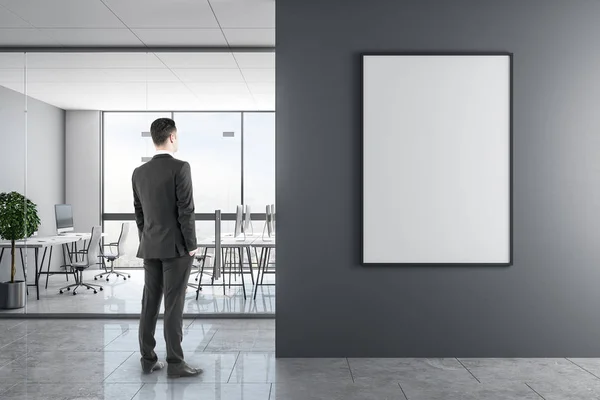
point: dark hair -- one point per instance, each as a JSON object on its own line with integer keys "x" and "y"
{"x": 161, "y": 129}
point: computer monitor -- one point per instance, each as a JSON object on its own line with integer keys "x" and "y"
{"x": 248, "y": 220}
{"x": 64, "y": 218}
{"x": 268, "y": 222}
{"x": 238, "y": 221}
{"x": 272, "y": 219}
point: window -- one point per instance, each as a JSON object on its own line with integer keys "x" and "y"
{"x": 124, "y": 148}
{"x": 259, "y": 160}
{"x": 212, "y": 144}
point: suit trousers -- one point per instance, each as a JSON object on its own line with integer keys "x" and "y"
{"x": 168, "y": 277}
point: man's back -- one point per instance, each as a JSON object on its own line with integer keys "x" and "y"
{"x": 164, "y": 208}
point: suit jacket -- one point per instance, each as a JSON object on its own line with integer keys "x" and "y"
{"x": 164, "y": 208}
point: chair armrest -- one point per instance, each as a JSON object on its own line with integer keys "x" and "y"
{"x": 111, "y": 245}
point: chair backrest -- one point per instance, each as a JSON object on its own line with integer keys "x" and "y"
{"x": 123, "y": 238}
{"x": 93, "y": 248}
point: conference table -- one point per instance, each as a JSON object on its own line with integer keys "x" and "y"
{"x": 46, "y": 244}
{"x": 229, "y": 245}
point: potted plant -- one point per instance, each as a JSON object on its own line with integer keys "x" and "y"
{"x": 18, "y": 220}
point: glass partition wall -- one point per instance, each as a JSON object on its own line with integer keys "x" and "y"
{"x": 14, "y": 179}
{"x": 81, "y": 125}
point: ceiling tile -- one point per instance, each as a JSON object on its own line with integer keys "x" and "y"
{"x": 11, "y": 20}
{"x": 164, "y": 14}
{"x": 255, "y": 60}
{"x": 25, "y": 37}
{"x": 140, "y": 75}
{"x": 262, "y": 88}
{"x": 211, "y": 89}
{"x": 93, "y": 60}
{"x": 259, "y": 74}
{"x": 66, "y": 76}
{"x": 265, "y": 102}
{"x": 64, "y": 13}
{"x": 245, "y": 14}
{"x": 93, "y": 37}
{"x": 250, "y": 37}
{"x": 181, "y": 37}
{"x": 198, "y": 60}
{"x": 232, "y": 75}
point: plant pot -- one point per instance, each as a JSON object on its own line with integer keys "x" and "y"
{"x": 13, "y": 295}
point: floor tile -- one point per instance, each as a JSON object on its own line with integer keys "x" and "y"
{"x": 326, "y": 370}
{"x": 242, "y": 340}
{"x": 190, "y": 391}
{"x": 11, "y": 335}
{"x": 66, "y": 340}
{"x": 71, "y": 391}
{"x": 592, "y": 365}
{"x": 194, "y": 341}
{"x": 492, "y": 370}
{"x": 6, "y": 324}
{"x": 216, "y": 367}
{"x": 584, "y": 389}
{"x": 465, "y": 390}
{"x": 63, "y": 367}
{"x": 254, "y": 368}
{"x": 390, "y": 370}
{"x": 309, "y": 390}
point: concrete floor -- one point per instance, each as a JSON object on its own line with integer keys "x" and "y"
{"x": 94, "y": 359}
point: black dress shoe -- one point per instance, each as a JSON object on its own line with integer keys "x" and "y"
{"x": 182, "y": 370}
{"x": 149, "y": 367}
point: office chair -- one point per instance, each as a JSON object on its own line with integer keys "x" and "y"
{"x": 115, "y": 251}
{"x": 90, "y": 256}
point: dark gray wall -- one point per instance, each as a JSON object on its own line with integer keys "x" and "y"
{"x": 547, "y": 303}
{"x": 45, "y": 152}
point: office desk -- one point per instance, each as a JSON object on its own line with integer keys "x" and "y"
{"x": 228, "y": 246}
{"x": 41, "y": 243}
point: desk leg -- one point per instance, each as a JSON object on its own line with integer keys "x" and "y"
{"x": 24, "y": 269}
{"x": 241, "y": 254}
{"x": 65, "y": 261}
{"x": 260, "y": 263}
{"x": 249, "y": 254}
{"x": 36, "y": 252}
{"x": 49, "y": 263}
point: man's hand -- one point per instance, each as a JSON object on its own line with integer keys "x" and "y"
{"x": 193, "y": 253}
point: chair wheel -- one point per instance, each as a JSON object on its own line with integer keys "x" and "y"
{"x": 74, "y": 293}
{"x": 101, "y": 289}
{"x": 107, "y": 280}
{"x": 129, "y": 276}
{"x": 60, "y": 291}
{"x": 124, "y": 278}
{"x": 96, "y": 278}
{"x": 87, "y": 288}
{"x": 68, "y": 289}
{"x": 95, "y": 292}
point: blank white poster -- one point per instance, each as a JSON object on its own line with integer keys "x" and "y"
{"x": 436, "y": 159}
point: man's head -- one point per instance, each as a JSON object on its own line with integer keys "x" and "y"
{"x": 164, "y": 134}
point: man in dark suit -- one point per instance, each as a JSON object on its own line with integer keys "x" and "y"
{"x": 164, "y": 213}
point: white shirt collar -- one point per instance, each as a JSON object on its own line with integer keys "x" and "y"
{"x": 164, "y": 152}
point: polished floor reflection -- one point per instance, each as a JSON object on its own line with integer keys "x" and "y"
{"x": 124, "y": 297}
{"x": 93, "y": 359}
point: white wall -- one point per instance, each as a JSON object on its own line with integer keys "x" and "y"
{"x": 83, "y": 175}
{"x": 45, "y": 152}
